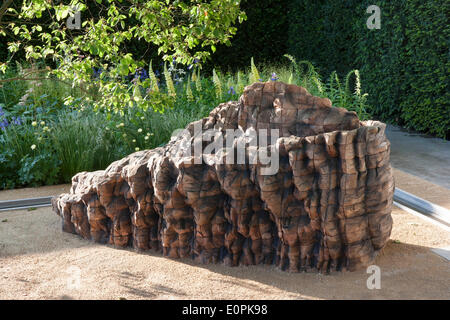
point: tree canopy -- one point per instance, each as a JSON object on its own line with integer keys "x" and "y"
{"x": 184, "y": 32}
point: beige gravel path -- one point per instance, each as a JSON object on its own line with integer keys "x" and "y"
{"x": 39, "y": 261}
{"x": 36, "y": 259}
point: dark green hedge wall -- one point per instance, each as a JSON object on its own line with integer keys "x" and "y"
{"x": 404, "y": 65}
{"x": 322, "y": 31}
{"x": 263, "y": 35}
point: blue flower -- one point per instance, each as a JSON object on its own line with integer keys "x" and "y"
{"x": 97, "y": 72}
{"x": 4, "y": 124}
{"x": 274, "y": 77}
{"x": 17, "y": 121}
{"x": 196, "y": 61}
{"x": 2, "y": 113}
{"x": 260, "y": 80}
{"x": 231, "y": 91}
{"x": 142, "y": 74}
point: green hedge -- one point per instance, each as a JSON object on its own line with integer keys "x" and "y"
{"x": 404, "y": 65}
{"x": 322, "y": 32}
{"x": 262, "y": 36}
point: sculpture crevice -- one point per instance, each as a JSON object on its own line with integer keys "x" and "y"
{"x": 327, "y": 207}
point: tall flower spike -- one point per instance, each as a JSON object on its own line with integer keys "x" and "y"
{"x": 189, "y": 94}
{"x": 169, "y": 83}
{"x": 254, "y": 74}
{"x": 198, "y": 81}
{"x": 291, "y": 78}
{"x": 153, "y": 78}
{"x": 240, "y": 83}
{"x": 217, "y": 84}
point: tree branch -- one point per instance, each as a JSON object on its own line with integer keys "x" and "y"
{"x": 4, "y": 7}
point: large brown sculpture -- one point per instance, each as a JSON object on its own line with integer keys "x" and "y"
{"x": 327, "y": 207}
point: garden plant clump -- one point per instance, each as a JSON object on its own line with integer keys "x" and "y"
{"x": 46, "y": 140}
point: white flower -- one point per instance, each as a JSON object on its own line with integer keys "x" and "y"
{"x": 142, "y": 118}
{"x": 33, "y": 147}
{"x": 34, "y": 123}
{"x": 146, "y": 138}
{"x": 139, "y": 130}
{"x": 137, "y": 149}
{"x": 124, "y": 135}
{"x": 134, "y": 140}
{"x": 42, "y": 123}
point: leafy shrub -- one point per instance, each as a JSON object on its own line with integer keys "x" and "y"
{"x": 52, "y": 145}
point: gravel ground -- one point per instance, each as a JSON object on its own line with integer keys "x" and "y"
{"x": 39, "y": 261}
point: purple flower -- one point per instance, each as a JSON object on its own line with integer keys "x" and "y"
{"x": 4, "y": 124}
{"x": 274, "y": 77}
{"x": 17, "y": 121}
{"x": 196, "y": 61}
{"x": 231, "y": 91}
{"x": 140, "y": 73}
{"x": 260, "y": 80}
{"x": 97, "y": 72}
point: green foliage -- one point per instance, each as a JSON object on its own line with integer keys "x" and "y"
{"x": 22, "y": 162}
{"x": 322, "y": 32}
{"x": 404, "y": 65}
{"x": 52, "y": 145}
{"x": 263, "y": 36}
{"x": 182, "y": 31}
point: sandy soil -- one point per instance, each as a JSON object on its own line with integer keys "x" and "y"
{"x": 39, "y": 261}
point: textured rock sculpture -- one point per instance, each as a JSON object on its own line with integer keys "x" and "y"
{"x": 328, "y": 207}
